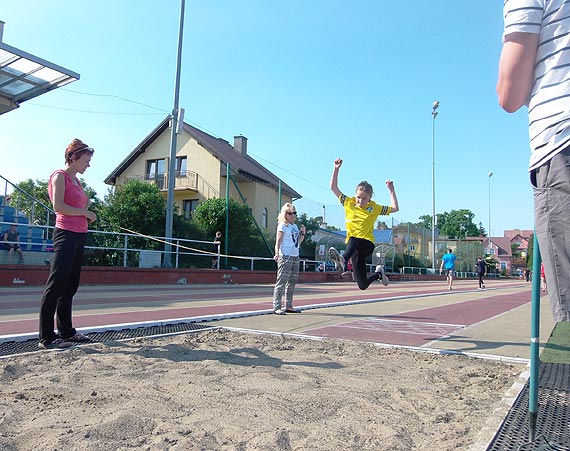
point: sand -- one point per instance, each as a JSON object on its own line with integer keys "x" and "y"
{"x": 227, "y": 390}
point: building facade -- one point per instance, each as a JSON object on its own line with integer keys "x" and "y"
{"x": 201, "y": 170}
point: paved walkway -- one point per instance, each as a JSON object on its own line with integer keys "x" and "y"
{"x": 494, "y": 321}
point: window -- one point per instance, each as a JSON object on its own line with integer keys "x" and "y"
{"x": 181, "y": 166}
{"x": 264, "y": 218}
{"x": 154, "y": 169}
{"x": 491, "y": 251}
{"x": 189, "y": 205}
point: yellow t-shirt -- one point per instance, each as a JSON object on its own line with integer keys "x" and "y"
{"x": 360, "y": 221}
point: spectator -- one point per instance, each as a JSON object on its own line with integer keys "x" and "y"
{"x": 71, "y": 206}
{"x": 534, "y": 71}
{"x": 217, "y": 244}
{"x": 11, "y": 236}
{"x": 287, "y": 241}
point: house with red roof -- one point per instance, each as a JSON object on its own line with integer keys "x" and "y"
{"x": 202, "y": 165}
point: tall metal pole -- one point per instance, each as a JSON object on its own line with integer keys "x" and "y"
{"x": 534, "y": 340}
{"x": 227, "y": 235}
{"x": 434, "y": 115}
{"x": 167, "y": 261}
{"x": 489, "y": 233}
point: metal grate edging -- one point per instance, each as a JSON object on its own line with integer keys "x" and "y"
{"x": 553, "y": 418}
{"x": 22, "y": 347}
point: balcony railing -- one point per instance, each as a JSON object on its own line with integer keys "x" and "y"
{"x": 184, "y": 180}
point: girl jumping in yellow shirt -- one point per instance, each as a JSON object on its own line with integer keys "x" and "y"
{"x": 360, "y": 216}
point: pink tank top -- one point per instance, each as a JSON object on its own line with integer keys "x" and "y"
{"x": 74, "y": 197}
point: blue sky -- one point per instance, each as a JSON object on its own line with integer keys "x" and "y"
{"x": 305, "y": 82}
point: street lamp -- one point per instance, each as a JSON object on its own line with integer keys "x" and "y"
{"x": 489, "y": 233}
{"x": 434, "y": 115}
{"x": 176, "y": 115}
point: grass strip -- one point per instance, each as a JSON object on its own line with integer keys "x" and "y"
{"x": 557, "y": 349}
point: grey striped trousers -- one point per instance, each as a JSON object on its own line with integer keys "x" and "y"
{"x": 287, "y": 275}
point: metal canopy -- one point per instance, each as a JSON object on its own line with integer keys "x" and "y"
{"x": 24, "y": 76}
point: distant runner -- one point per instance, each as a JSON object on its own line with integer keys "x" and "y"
{"x": 448, "y": 263}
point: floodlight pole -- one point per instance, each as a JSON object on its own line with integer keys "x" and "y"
{"x": 167, "y": 260}
{"x": 489, "y": 233}
{"x": 434, "y": 115}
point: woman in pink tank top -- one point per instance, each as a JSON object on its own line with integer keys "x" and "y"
{"x": 71, "y": 205}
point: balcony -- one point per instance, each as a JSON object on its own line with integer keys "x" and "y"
{"x": 184, "y": 180}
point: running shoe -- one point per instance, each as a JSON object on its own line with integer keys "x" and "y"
{"x": 381, "y": 275}
{"x": 78, "y": 338}
{"x": 58, "y": 343}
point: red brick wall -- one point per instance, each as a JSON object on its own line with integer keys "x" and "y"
{"x": 29, "y": 275}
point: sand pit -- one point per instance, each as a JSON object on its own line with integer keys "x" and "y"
{"x": 225, "y": 390}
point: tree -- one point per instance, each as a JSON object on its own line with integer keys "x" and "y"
{"x": 482, "y": 231}
{"x": 530, "y": 251}
{"x": 307, "y": 249}
{"x": 402, "y": 260}
{"x": 459, "y": 224}
{"x": 491, "y": 263}
{"x": 30, "y": 192}
{"x": 425, "y": 221}
{"x": 244, "y": 239}
{"x": 183, "y": 227}
{"x": 515, "y": 251}
{"x": 137, "y": 206}
{"x": 455, "y": 224}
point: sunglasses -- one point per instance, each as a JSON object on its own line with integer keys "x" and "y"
{"x": 88, "y": 150}
{"x": 292, "y": 213}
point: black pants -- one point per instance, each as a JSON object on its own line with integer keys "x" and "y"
{"x": 359, "y": 249}
{"x": 480, "y": 275}
{"x": 62, "y": 284}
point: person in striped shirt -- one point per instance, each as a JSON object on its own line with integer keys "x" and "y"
{"x": 361, "y": 213}
{"x": 534, "y": 70}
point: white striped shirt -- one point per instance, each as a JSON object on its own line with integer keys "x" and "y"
{"x": 549, "y": 107}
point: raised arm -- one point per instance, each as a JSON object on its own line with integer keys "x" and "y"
{"x": 334, "y": 178}
{"x": 393, "y": 198}
{"x": 516, "y": 70}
